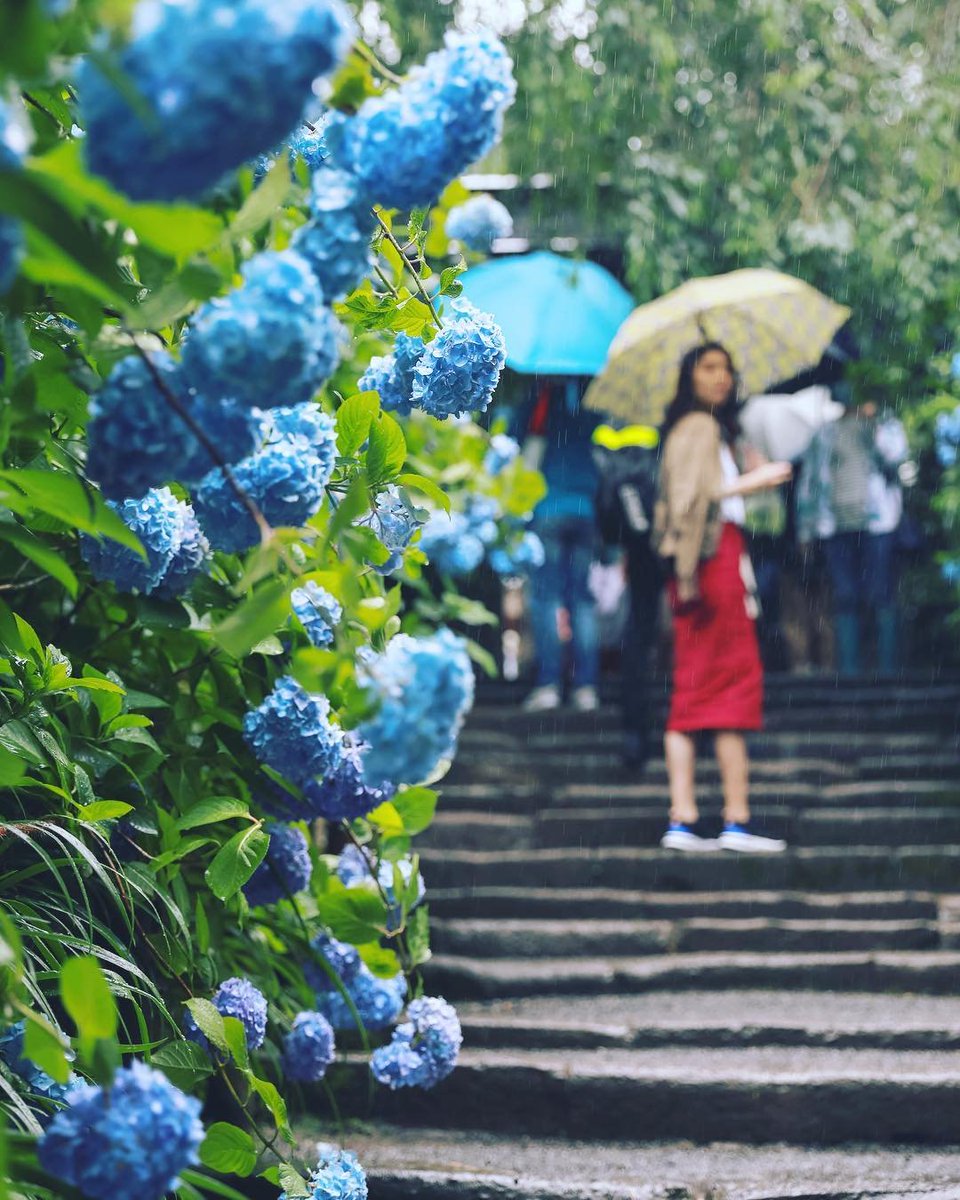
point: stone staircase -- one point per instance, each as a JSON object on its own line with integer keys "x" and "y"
{"x": 639, "y": 1023}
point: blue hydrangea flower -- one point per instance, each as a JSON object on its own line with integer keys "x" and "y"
{"x": 285, "y": 870}
{"x": 425, "y": 686}
{"x": 308, "y": 1049}
{"x": 221, "y": 83}
{"x": 340, "y": 956}
{"x": 478, "y": 222}
{"x": 308, "y": 141}
{"x": 521, "y": 558}
{"x": 459, "y": 370}
{"x": 950, "y": 570}
{"x": 238, "y": 998}
{"x": 424, "y": 1048}
{"x": 405, "y": 146}
{"x": 159, "y": 520}
{"x": 378, "y": 1001}
{"x": 269, "y": 342}
{"x": 946, "y": 435}
{"x": 13, "y": 147}
{"x": 37, "y": 1082}
{"x": 503, "y": 450}
{"x": 191, "y": 556}
{"x": 338, "y": 1176}
{"x": 482, "y": 513}
{"x": 317, "y": 611}
{"x": 451, "y": 544}
{"x": 391, "y": 376}
{"x": 345, "y": 793}
{"x": 355, "y": 869}
{"x": 136, "y": 441}
{"x": 394, "y": 521}
{"x": 336, "y": 242}
{"x": 285, "y": 481}
{"x": 131, "y": 1139}
{"x": 291, "y": 732}
{"x": 308, "y": 426}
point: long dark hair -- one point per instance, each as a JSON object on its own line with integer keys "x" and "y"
{"x": 685, "y": 401}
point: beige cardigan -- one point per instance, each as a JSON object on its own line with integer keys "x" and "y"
{"x": 687, "y": 524}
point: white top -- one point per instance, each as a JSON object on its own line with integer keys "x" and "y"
{"x": 732, "y": 508}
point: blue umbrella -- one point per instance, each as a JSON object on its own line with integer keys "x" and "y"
{"x": 558, "y": 315}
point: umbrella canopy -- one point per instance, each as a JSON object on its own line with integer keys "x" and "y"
{"x": 773, "y": 325}
{"x": 781, "y": 427}
{"x": 558, "y": 315}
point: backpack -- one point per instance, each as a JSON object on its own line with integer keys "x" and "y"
{"x": 628, "y": 465}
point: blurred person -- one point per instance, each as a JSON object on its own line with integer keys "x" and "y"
{"x": 849, "y": 497}
{"x": 717, "y": 674}
{"x": 558, "y": 437}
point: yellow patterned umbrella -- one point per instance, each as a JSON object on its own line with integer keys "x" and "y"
{"x": 774, "y": 326}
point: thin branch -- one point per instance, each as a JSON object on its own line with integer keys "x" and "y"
{"x": 366, "y": 53}
{"x": 266, "y": 532}
{"x": 428, "y": 300}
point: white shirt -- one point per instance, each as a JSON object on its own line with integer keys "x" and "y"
{"x": 732, "y": 508}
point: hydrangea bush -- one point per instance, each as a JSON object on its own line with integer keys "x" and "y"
{"x": 230, "y": 423}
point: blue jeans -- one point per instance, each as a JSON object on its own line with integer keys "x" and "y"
{"x": 562, "y": 581}
{"x": 862, "y": 570}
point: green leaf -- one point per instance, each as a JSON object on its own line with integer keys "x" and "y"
{"x": 420, "y": 483}
{"x": 416, "y": 807}
{"x": 292, "y": 1182}
{"x": 352, "y": 505}
{"x": 274, "y": 1102}
{"x": 262, "y": 614}
{"x": 269, "y": 195}
{"x": 236, "y": 1037}
{"x": 65, "y": 497}
{"x": 228, "y": 1150}
{"x": 104, "y": 810}
{"x": 40, "y": 553}
{"x": 12, "y": 768}
{"x": 209, "y": 1021}
{"x": 483, "y": 658}
{"x": 196, "y": 282}
{"x": 418, "y": 936}
{"x": 43, "y": 1045}
{"x": 354, "y": 417}
{"x": 203, "y": 927}
{"x": 184, "y": 1063}
{"x": 214, "y": 808}
{"x": 378, "y": 959}
{"x": 387, "y": 819}
{"x": 353, "y": 915}
{"x": 236, "y": 861}
{"x": 87, "y": 998}
{"x": 387, "y": 450}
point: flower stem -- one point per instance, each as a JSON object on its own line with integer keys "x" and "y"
{"x": 427, "y": 299}
{"x": 366, "y": 53}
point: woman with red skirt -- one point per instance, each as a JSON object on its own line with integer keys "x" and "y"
{"x": 717, "y": 675}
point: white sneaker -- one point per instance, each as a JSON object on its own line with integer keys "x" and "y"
{"x": 682, "y": 837}
{"x": 739, "y": 838}
{"x": 542, "y": 699}
{"x": 584, "y": 699}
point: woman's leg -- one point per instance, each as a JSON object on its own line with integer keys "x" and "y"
{"x": 734, "y": 763}
{"x": 680, "y": 751}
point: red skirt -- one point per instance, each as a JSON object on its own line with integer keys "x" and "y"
{"x": 717, "y": 674}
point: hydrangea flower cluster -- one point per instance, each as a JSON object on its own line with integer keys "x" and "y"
{"x": 425, "y": 686}
{"x": 284, "y": 871}
{"x": 378, "y": 1001}
{"x": 950, "y": 571}
{"x": 338, "y": 1176}
{"x": 13, "y": 147}
{"x": 308, "y": 1049}
{"x": 341, "y": 957}
{"x": 459, "y": 370}
{"x": 221, "y": 83}
{"x": 235, "y": 998}
{"x": 135, "y": 441}
{"x": 269, "y": 342}
{"x": 394, "y": 521}
{"x": 131, "y": 1139}
{"x": 405, "y": 146}
{"x": 521, "y": 558}
{"x": 305, "y": 424}
{"x": 345, "y": 793}
{"x": 336, "y": 242}
{"x": 391, "y": 375}
{"x": 482, "y": 513}
{"x": 176, "y": 549}
{"x": 317, "y": 611}
{"x": 502, "y": 452}
{"x": 355, "y": 869}
{"x": 946, "y": 435}
{"x": 478, "y": 222}
{"x": 451, "y": 544}
{"x": 308, "y": 141}
{"x": 37, "y": 1082}
{"x": 424, "y": 1048}
{"x": 291, "y": 732}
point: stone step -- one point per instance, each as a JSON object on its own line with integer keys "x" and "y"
{"x": 828, "y": 868}
{"x": 929, "y": 972}
{"x": 608, "y": 903}
{"x": 535, "y": 939}
{"x": 716, "y": 1019}
{"x": 802, "y": 1095}
{"x": 911, "y": 766}
{"x": 443, "y": 1164}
